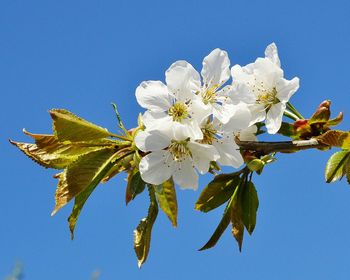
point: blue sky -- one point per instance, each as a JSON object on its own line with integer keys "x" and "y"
{"x": 83, "y": 55}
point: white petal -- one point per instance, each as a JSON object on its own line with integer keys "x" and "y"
{"x": 267, "y": 72}
{"x": 187, "y": 129}
{"x": 153, "y": 95}
{"x": 229, "y": 152}
{"x": 202, "y": 155}
{"x": 248, "y": 134}
{"x": 216, "y": 68}
{"x": 241, "y": 118}
{"x": 224, "y": 93}
{"x": 151, "y": 119}
{"x": 185, "y": 175}
{"x": 285, "y": 89}
{"x": 241, "y": 73}
{"x": 258, "y": 113}
{"x": 182, "y": 80}
{"x": 223, "y": 112}
{"x": 217, "y": 125}
{"x": 198, "y": 110}
{"x": 274, "y": 117}
{"x": 151, "y": 141}
{"x": 156, "y": 167}
{"x": 242, "y": 93}
{"x": 272, "y": 54}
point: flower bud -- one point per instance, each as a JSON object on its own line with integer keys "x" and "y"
{"x": 322, "y": 113}
{"x": 303, "y": 129}
{"x": 256, "y": 165}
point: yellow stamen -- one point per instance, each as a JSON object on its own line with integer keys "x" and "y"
{"x": 267, "y": 98}
{"x": 179, "y": 111}
{"x": 208, "y": 134}
{"x": 209, "y": 94}
{"x": 179, "y": 150}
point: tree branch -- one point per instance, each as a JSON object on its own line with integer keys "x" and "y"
{"x": 282, "y": 147}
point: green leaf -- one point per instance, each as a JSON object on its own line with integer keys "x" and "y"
{"x": 135, "y": 185}
{"x": 105, "y": 161}
{"x": 250, "y": 203}
{"x": 69, "y": 127}
{"x": 142, "y": 234}
{"x": 50, "y": 153}
{"x": 345, "y": 141}
{"x": 224, "y": 223}
{"x": 217, "y": 192}
{"x": 88, "y": 170}
{"x": 335, "y": 166}
{"x": 237, "y": 215}
{"x": 166, "y": 196}
{"x": 237, "y": 225}
{"x": 347, "y": 170}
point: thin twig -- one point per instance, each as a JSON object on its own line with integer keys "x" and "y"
{"x": 282, "y": 147}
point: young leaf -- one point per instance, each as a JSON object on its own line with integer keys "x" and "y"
{"x": 42, "y": 156}
{"x": 335, "y": 166}
{"x": 135, "y": 185}
{"x": 69, "y": 127}
{"x": 124, "y": 164}
{"x": 142, "y": 234}
{"x": 250, "y": 203}
{"x": 105, "y": 164}
{"x": 62, "y": 195}
{"x": 50, "y": 153}
{"x": 217, "y": 192}
{"x": 166, "y": 196}
{"x": 335, "y": 121}
{"x": 88, "y": 170}
{"x": 335, "y": 138}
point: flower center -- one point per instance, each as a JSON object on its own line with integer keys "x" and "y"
{"x": 179, "y": 150}
{"x": 208, "y": 134}
{"x": 266, "y": 97}
{"x": 209, "y": 95}
{"x": 179, "y": 111}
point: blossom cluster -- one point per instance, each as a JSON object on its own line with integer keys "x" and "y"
{"x": 193, "y": 119}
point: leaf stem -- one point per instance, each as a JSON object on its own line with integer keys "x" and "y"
{"x": 121, "y": 137}
{"x": 291, "y": 108}
{"x": 120, "y": 123}
{"x": 291, "y": 115}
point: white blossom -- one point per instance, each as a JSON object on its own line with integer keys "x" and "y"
{"x": 222, "y": 136}
{"x": 176, "y": 158}
{"x": 215, "y": 73}
{"x": 261, "y": 85}
{"x": 173, "y": 105}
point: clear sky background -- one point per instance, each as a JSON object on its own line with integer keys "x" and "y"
{"x": 83, "y": 55}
